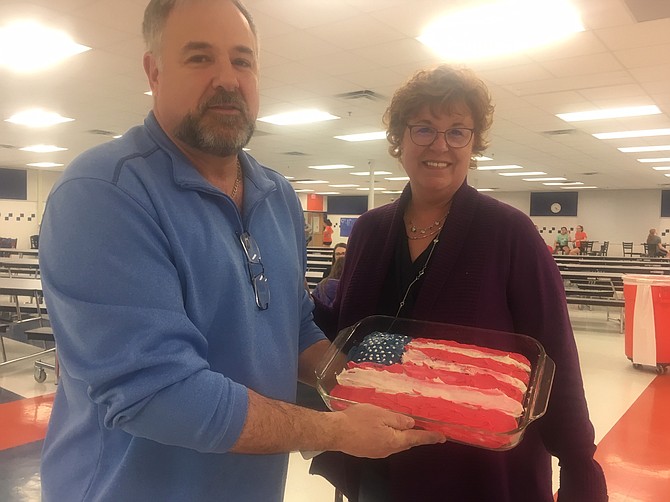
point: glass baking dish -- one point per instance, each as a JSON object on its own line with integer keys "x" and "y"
{"x": 534, "y": 400}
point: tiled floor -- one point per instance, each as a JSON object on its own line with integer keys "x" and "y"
{"x": 630, "y": 410}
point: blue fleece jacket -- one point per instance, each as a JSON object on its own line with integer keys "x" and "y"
{"x": 157, "y": 329}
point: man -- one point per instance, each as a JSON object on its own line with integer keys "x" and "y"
{"x": 177, "y": 303}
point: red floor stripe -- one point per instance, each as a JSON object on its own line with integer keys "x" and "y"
{"x": 635, "y": 454}
{"x": 24, "y": 421}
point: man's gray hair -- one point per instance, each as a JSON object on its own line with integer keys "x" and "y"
{"x": 157, "y": 12}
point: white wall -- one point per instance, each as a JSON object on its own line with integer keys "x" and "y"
{"x": 19, "y": 219}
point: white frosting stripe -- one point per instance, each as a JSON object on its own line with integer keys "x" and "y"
{"x": 396, "y": 383}
{"x": 420, "y": 359}
{"x": 470, "y": 351}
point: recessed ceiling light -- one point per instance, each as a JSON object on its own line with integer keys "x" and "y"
{"x": 665, "y": 159}
{"x": 367, "y": 173}
{"x": 26, "y": 46}
{"x": 636, "y": 149}
{"x": 298, "y": 117}
{"x": 502, "y": 27}
{"x": 42, "y": 148}
{"x": 331, "y": 166}
{"x": 44, "y": 164}
{"x": 398, "y": 178}
{"x": 289, "y": 177}
{"x": 495, "y": 168}
{"x": 366, "y": 136}
{"x": 485, "y": 189}
{"x": 482, "y": 158}
{"x": 544, "y": 179}
{"x": 633, "y": 134}
{"x": 302, "y": 190}
{"x": 344, "y": 186}
{"x": 37, "y": 118}
{"x": 149, "y": 93}
{"x": 578, "y": 188}
{"x": 117, "y": 136}
{"x": 567, "y": 183}
{"x": 661, "y": 168}
{"x": 611, "y": 113}
{"x": 310, "y": 182}
{"x": 532, "y": 173}
{"x": 392, "y": 191}
{"x": 367, "y": 189}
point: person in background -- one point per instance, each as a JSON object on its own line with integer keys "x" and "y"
{"x": 580, "y": 236}
{"x": 339, "y": 251}
{"x": 655, "y": 248}
{"x": 427, "y": 256}
{"x": 328, "y": 233}
{"x": 327, "y": 288}
{"x": 562, "y": 242}
{"x": 176, "y": 300}
{"x": 309, "y": 233}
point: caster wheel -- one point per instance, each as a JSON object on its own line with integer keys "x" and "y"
{"x": 661, "y": 369}
{"x": 637, "y": 366}
{"x": 40, "y": 375}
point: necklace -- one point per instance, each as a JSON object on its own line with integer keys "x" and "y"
{"x": 238, "y": 179}
{"x": 425, "y": 232}
{"x": 418, "y": 276}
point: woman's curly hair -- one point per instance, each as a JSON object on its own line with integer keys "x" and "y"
{"x": 441, "y": 88}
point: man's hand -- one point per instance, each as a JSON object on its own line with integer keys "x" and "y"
{"x": 365, "y": 430}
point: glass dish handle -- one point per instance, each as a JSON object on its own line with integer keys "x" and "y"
{"x": 544, "y": 382}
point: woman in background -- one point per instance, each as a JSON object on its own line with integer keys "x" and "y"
{"x": 428, "y": 256}
{"x": 327, "y": 288}
{"x": 580, "y": 236}
{"x": 328, "y": 233}
{"x": 655, "y": 247}
{"x": 562, "y": 243}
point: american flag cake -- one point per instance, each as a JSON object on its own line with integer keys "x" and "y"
{"x": 450, "y": 383}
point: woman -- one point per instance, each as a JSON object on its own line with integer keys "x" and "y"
{"x": 580, "y": 236}
{"x": 655, "y": 247}
{"x": 562, "y": 241}
{"x": 326, "y": 290}
{"x": 328, "y": 233}
{"x": 427, "y": 256}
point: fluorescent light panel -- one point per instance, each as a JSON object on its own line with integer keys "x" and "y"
{"x": 637, "y": 149}
{"x": 27, "y": 46}
{"x": 567, "y": 183}
{"x": 482, "y": 158}
{"x": 502, "y": 27}
{"x": 37, "y": 117}
{"x": 328, "y": 193}
{"x": 398, "y": 178}
{"x": 44, "y": 164}
{"x": 366, "y": 136}
{"x": 310, "y": 182}
{"x": 331, "y": 167}
{"x": 367, "y": 173}
{"x": 392, "y": 191}
{"x": 495, "y": 168}
{"x": 303, "y": 190}
{"x": 544, "y": 179}
{"x": 298, "y": 117}
{"x": 633, "y": 134}
{"x": 610, "y": 113}
{"x": 578, "y": 188}
{"x": 346, "y": 185}
{"x": 665, "y": 159}
{"x": 42, "y": 148}
{"x": 661, "y": 168}
{"x": 367, "y": 189}
{"x": 531, "y": 173}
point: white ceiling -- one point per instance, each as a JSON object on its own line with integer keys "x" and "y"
{"x": 314, "y": 50}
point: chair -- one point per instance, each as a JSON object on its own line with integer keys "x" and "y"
{"x": 647, "y": 251}
{"x": 602, "y": 251}
{"x": 627, "y": 249}
{"x": 34, "y": 241}
{"x": 585, "y": 247}
{"x": 7, "y": 243}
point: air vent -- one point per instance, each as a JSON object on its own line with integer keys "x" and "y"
{"x": 295, "y": 154}
{"x": 589, "y": 174}
{"x": 7, "y": 147}
{"x": 559, "y": 132}
{"x": 364, "y": 94}
{"x": 101, "y": 132}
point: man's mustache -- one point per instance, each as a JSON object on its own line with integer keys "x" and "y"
{"x": 226, "y": 98}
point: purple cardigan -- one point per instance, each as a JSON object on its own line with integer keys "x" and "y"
{"x": 491, "y": 269}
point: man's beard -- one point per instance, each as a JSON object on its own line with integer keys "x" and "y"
{"x": 220, "y": 135}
